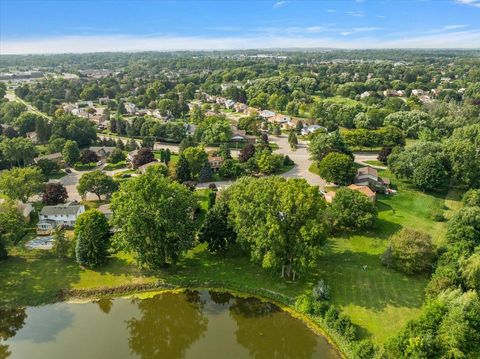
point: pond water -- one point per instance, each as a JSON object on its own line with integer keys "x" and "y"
{"x": 190, "y": 324}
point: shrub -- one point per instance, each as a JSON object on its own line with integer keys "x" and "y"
{"x": 304, "y": 304}
{"x": 364, "y": 349}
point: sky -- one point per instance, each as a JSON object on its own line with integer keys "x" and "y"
{"x": 77, "y": 26}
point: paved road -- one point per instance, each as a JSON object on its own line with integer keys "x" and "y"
{"x": 361, "y": 157}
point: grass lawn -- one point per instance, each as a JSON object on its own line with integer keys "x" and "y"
{"x": 380, "y": 301}
{"x": 56, "y": 175}
{"x": 115, "y": 166}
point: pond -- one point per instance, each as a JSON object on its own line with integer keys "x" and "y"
{"x": 190, "y": 324}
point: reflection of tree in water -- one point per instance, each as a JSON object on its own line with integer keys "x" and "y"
{"x": 11, "y": 321}
{"x": 220, "y": 297}
{"x": 267, "y": 332}
{"x": 169, "y": 325}
{"x": 105, "y": 305}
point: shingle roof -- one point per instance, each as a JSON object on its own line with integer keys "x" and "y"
{"x": 367, "y": 171}
{"x": 363, "y": 189}
{"x": 69, "y": 208}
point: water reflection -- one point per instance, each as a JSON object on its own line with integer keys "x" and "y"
{"x": 105, "y": 305}
{"x": 169, "y": 325}
{"x": 11, "y": 320}
{"x": 267, "y": 332}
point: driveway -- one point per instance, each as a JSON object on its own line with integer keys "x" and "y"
{"x": 362, "y": 157}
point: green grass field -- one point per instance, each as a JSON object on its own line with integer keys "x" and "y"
{"x": 380, "y": 301}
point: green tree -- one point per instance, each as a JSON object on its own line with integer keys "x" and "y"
{"x": 196, "y": 157}
{"x": 322, "y": 143}
{"x": 21, "y": 183}
{"x": 18, "y": 151}
{"x": 471, "y": 198}
{"x": 98, "y": 183}
{"x": 56, "y": 145}
{"x": 11, "y": 225}
{"x": 352, "y": 209}
{"x": 154, "y": 216}
{"x": 93, "y": 238}
{"x": 269, "y": 163}
{"x": 410, "y": 251}
{"x": 71, "y": 152}
{"x": 216, "y": 231}
{"x": 47, "y": 166}
{"x": 280, "y": 223}
{"x": 430, "y": 173}
{"x": 61, "y": 245}
{"x": 292, "y": 139}
{"x": 337, "y": 168}
{"x": 182, "y": 170}
{"x": 471, "y": 270}
{"x": 206, "y": 173}
{"x": 214, "y": 130}
{"x": 116, "y": 156}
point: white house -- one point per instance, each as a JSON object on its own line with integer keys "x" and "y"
{"x": 311, "y": 129}
{"x": 59, "y": 215}
{"x": 131, "y": 108}
{"x": 266, "y": 114}
{"x": 229, "y": 104}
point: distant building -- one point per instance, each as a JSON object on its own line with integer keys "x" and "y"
{"x": 102, "y": 151}
{"x": 368, "y": 176}
{"x": 215, "y": 162}
{"x": 311, "y": 129}
{"x": 131, "y": 108}
{"x": 57, "y": 157}
{"x": 266, "y": 114}
{"x": 329, "y": 196}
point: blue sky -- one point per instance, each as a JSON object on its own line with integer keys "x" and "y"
{"x": 54, "y": 26}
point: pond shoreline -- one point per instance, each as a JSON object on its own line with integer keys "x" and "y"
{"x": 284, "y": 302}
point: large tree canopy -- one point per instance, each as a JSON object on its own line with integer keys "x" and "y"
{"x": 281, "y": 223}
{"x": 155, "y": 218}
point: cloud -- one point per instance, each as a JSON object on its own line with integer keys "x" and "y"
{"x": 315, "y": 29}
{"x": 279, "y": 4}
{"x": 360, "y": 29}
{"x": 454, "y": 27}
{"x": 129, "y": 43}
{"x": 355, "y": 13}
{"x": 331, "y": 10}
{"x": 475, "y": 3}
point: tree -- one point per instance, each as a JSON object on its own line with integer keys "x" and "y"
{"x": 246, "y": 153}
{"x": 154, "y": 216}
{"x": 471, "y": 270}
{"x": 71, "y": 152}
{"x": 352, "y": 209}
{"x": 471, "y": 198}
{"x": 54, "y": 193}
{"x": 47, "y": 166}
{"x": 292, "y": 139}
{"x": 213, "y": 130}
{"x": 410, "y": 251}
{"x": 11, "y": 225}
{"x": 93, "y": 238}
{"x": 224, "y": 151}
{"x": 21, "y": 183}
{"x": 186, "y": 143}
{"x": 280, "y": 223}
{"x": 18, "y": 151}
{"x": 322, "y": 143}
{"x": 98, "y": 183}
{"x": 464, "y": 227}
{"x": 337, "y": 168}
{"x": 42, "y": 128}
{"x": 143, "y": 156}
{"x": 383, "y": 154}
{"x": 88, "y": 156}
{"x": 61, "y": 245}
{"x": 116, "y": 156}
{"x": 182, "y": 170}
{"x": 56, "y": 145}
{"x": 196, "y": 157}
{"x": 216, "y": 231}
{"x": 231, "y": 169}
{"x": 269, "y": 163}
{"x": 430, "y": 173}
{"x": 412, "y": 122}
{"x": 206, "y": 173}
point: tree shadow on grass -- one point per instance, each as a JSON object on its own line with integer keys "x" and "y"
{"x": 35, "y": 281}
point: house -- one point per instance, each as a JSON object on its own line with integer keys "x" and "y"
{"x": 282, "y": 120}
{"x": 418, "y": 92}
{"x": 393, "y": 93}
{"x": 103, "y": 100}
{"x": 329, "y": 196}
{"x": 131, "y": 155}
{"x": 365, "y": 94}
{"x": 102, "y": 151}
{"x": 25, "y": 209}
{"x": 365, "y": 190}
{"x": 368, "y": 176}
{"x": 56, "y": 157}
{"x": 131, "y": 108}
{"x": 240, "y": 107}
{"x": 143, "y": 168}
{"x": 190, "y": 129}
{"x": 229, "y": 104}
{"x": 59, "y": 215}
{"x": 311, "y": 129}
{"x": 32, "y": 136}
{"x": 266, "y": 114}
{"x": 215, "y": 162}
{"x": 238, "y": 135}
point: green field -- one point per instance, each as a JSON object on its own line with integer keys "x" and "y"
{"x": 380, "y": 301}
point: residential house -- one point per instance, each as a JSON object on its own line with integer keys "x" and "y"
{"x": 56, "y": 157}
{"x": 25, "y": 209}
{"x": 282, "y": 120}
{"x": 311, "y": 129}
{"x": 102, "y": 151}
{"x": 240, "y": 107}
{"x": 215, "y": 162}
{"x": 32, "y": 136}
{"x": 131, "y": 108}
{"x": 143, "y": 168}
{"x": 59, "y": 215}
{"x": 365, "y": 94}
{"x": 238, "y": 135}
{"x": 368, "y": 176}
{"x": 103, "y": 100}
{"x": 229, "y": 104}
{"x": 266, "y": 114}
{"x": 329, "y": 196}
{"x": 131, "y": 156}
{"x": 419, "y": 92}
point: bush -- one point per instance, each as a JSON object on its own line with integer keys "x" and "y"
{"x": 84, "y": 167}
{"x": 352, "y": 209}
{"x": 304, "y": 304}
{"x": 321, "y": 291}
{"x": 364, "y": 349}
{"x": 410, "y": 251}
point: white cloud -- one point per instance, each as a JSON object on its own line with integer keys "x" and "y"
{"x": 331, "y": 10}
{"x": 475, "y": 3}
{"x": 279, "y": 4}
{"x": 315, "y": 29}
{"x": 99, "y": 43}
{"x": 355, "y": 13}
{"x": 454, "y": 27}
